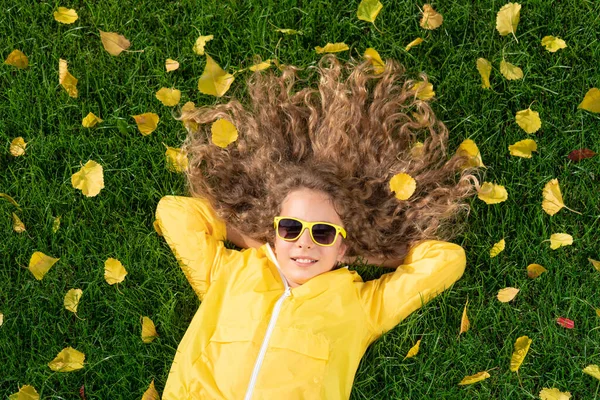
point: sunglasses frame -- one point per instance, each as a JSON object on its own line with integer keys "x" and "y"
{"x": 309, "y": 226}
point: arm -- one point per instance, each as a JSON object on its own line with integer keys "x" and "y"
{"x": 240, "y": 240}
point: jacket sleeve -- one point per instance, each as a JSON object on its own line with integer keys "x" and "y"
{"x": 429, "y": 268}
{"x": 195, "y": 234}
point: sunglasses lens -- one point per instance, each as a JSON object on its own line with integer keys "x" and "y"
{"x": 324, "y": 234}
{"x": 289, "y": 229}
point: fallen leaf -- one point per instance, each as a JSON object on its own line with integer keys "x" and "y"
{"x": 403, "y": 185}
{"x": 214, "y": 80}
{"x": 523, "y": 148}
{"x": 200, "y": 43}
{"x": 507, "y": 19}
{"x": 507, "y": 294}
{"x": 565, "y": 322}
{"x": 40, "y": 264}
{"x": 595, "y": 263}
{"x": 151, "y": 393}
{"x": 491, "y": 193}
{"x": 485, "y": 69}
{"x": 18, "y": 225}
{"x": 535, "y": 270}
{"x": 521, "y": 348}
{"x": 478, "y": 377}
{"x": 332, "y": 48}
{"x": 177, "y": 160}
{"x": 56, "y": 224}
{"x": 497, "y": 248}
{"x": 9, "y": 199}
{"x": 373, "y": 56}
{"x": 413, "y": 350}
{"x": 261, "y": 66}
{"x": 431, "y": 19}
{"x": 529, "y": 120}
{"x": 465, "y": 324}
{"x": 1, "y": 319}
{"x": 82, "y": 392}
{"x": 26, "y": 392}
{"x": 148, "y": 330}
{"x": 89, "y": 179}
{"x": 553, "y": 44}
{"x": 114, "y": 272}
{"x": 416, "y": 151}
{"x": 592, "y": 370}
{"x": 289, "y": 31}
{"x": 17, "y": 146}
{"x": 90, "y": 120}
{"x": 72, "y": 298}
{"x": 65, "y": 15}
{"x": 17, "y": 59}
{"x": 598, "y": 312}
{"x": 591, "y": 101}
{"x": 114, "y": 43}
{"x": 67, "y": 81}
{"x": 169, "y": 97}
{"x": 423, "y": 90}
{"x": 146, "y": 122}
{"x": 554, "y": 394}
{"x": 469, "y": 149}
{"x": 552, "y": 198}
{"x": 580, "y": 154}
{"x": 368, "y": 10}
{"x": 171, "y": 65}
{"x": 559, "y": 240}
{"x": 223, "y": 133}
{"x": 414, "y": 43}
{"x": 510, "y": 71}
{"x": 67, "y": 360}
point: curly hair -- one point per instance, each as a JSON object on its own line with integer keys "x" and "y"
{"x": 347, "y": 138}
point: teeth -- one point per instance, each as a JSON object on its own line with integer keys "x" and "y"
{"x": 304, "y": 260}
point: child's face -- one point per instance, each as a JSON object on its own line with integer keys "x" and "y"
{"x": 308, "y": 205}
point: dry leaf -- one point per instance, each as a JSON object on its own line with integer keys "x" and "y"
{"x": 553, "y": 201}
{"x": 9, "y": 199}
{"x": 40, "y": 264}
{"x": 373, "y": 56}
{"x": 169, "y": 97}
{"x": 223, "y": 133}
{"x": 171, "y": 65}
{"x": 1, "y": 319}
{"x": 148, "y": 330}
{"x": 72, "y": 298}
{"x": 146, "y": 122}
{"x": 580, "y": 154}
{"x": 332, "y": 48}
{"x": 508, "y": 19}
{"x": 491, "y": 193}
{"x": 510, "y": 71}
{"x": 90, "y": 120}
{"x": 485, "y": 69}
{"x": 67, "y": 360}
{"x": 17, "y": 59}
{"x": 560, "y": 239}
{"x": 214, "y": 80}
{"x": 416, "y": 151}
{"x": 68, "y": 81}
{"x": 535, "y": 270}
{"x": 523, "y": 148}
{"x": 177, "y": 160}
{"x": 598, "y": 312}
{"x": 114, "y": 272}
{"x": 469, "y": 149}
{"x": 200, "y": 43}
{"x": 529, "y": 120}
{"x": 591, "y": 101}
{"x": 56, "y": 224}
{"x": 151, "y": 393}
{"x": 497, "y": 248}
{"x": 595, "y": 263}
{"x": 413, "y": 350}
{"x": 368, "y": 10}
{"x": 507, "y": 294}
{"x": 414, "y": 43}
{"x": 565, "y": 322}
{"x": 89, "y": 179}
{"x": 521, "y": 348}
{"x": 423, "y": 90}
{"x": 17, "y": 146}
{"x": 18, "y": 225}
{"x": 478, "y": 377}
{"x": 431, "y": 19}
{"x": 27, "y": 392}
{"x": 554, "y": 394}
{"x": 592, "y": 370}
{"x": 465, "y": 324}
{"x": 261, "y": 66}
{"x": 403, "y": 185}
{"x": 553, "y": 44}
{"x": 114, "y": 43}
{"x": 65, "y": 15}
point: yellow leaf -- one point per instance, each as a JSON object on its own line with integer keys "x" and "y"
{"x": 480, "y": 376}
{"x": 529, "y": 120}
{"x": 90, "y": 120}
{"x": 510, "y": 71}
{"x": 177, "y": 160}
{"x": 553, "y": 200}
{"x": 413, "y": 350}
{"x": 146, "y": 122}
{"x": 214, "y": 80}
{"x": 508, "y": 19}
{"x": 289, "y": 31}
{"x": 156, "y": 226}
{"x": 598, "y": 312}
{"x": 592, "y": 370}
{"x": 9, "y": 199}
{"x": 595, "y": 263}
{"x": 521, "y": 348}
{"x": 114, "y": 43}
{"x": 17, "y": 59}
{"x": 431, "y": 19}
{"x": 27, "y": 392}
{"x": 403, "y": 185}
{"x": 223, "y": 133}
{"x": 535, "y": 270}
{"x": 151, "y": 393}
{"x": 523, "y": 148}
{"x": 261, "y": 66}
{"x": 17, "y": 146}
{"x": 491, "y": 193}
{"x": 89, "y": 179}
{"x": 148, "y": 330}
{"x": 169, "y": 97}
{"x": 497, "y": 248}
{"x": 485, "y": 69}
{"x": 591, "y": 101}
{"x": 414, "y": 43}
{"x": 18, "y": 225}
{"x": 114, "y": 272}
{"x": 171, "y": 65}
{"x": 553, "y": 44}
{"x": 423, "y": 90}
{"x": 560, "y": 239}
{"x": 373, "y": 56}
{"x": 368, "y": 10}
{"x": 465, "y": 324}
{"x": 65, "y": 15}
{"x": 200, "y": 43}
{"x": 56, "y": 224}
{"x": 416, "y": 150}
{"x": 40, "y": 264}
{"x": 554, "y": 394}
{"x": 68, "y": 81}
{"x": 332, "y": 48}
{"x": 71, "y": 300}
{"x": 1, "y": 319}
{"x": 469, "y": 149}
{"x": 67, "y": 360}
{"x": 507, "y": 294}
{"x": 189, "y": 106}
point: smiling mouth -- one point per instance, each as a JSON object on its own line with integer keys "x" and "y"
{"x": 304, "y": 261}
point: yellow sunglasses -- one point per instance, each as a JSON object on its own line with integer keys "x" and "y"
{"x": 322, "y": 233}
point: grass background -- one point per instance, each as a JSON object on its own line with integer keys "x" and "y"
{"x": 118, "y": 222}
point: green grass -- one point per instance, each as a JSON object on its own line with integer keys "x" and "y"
{"x": 118, "y": 222}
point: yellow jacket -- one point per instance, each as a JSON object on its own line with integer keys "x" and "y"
{"x": 255, "y": 337}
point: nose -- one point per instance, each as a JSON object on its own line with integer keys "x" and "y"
{"x": 304, "y": 239}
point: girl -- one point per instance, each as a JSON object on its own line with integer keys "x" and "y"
{"x": 303, "y": 190}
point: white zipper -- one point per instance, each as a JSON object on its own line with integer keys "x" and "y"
{"x": 270, "y": 327}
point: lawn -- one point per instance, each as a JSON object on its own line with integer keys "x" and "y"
{"x": 118, "y": 222}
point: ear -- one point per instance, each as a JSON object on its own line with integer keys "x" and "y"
{"x": 342, "y": 252}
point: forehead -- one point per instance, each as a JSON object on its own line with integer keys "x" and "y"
{"x": 310, "y": 205}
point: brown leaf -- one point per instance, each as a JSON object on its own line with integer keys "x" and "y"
{"x": 580, "y": 154}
